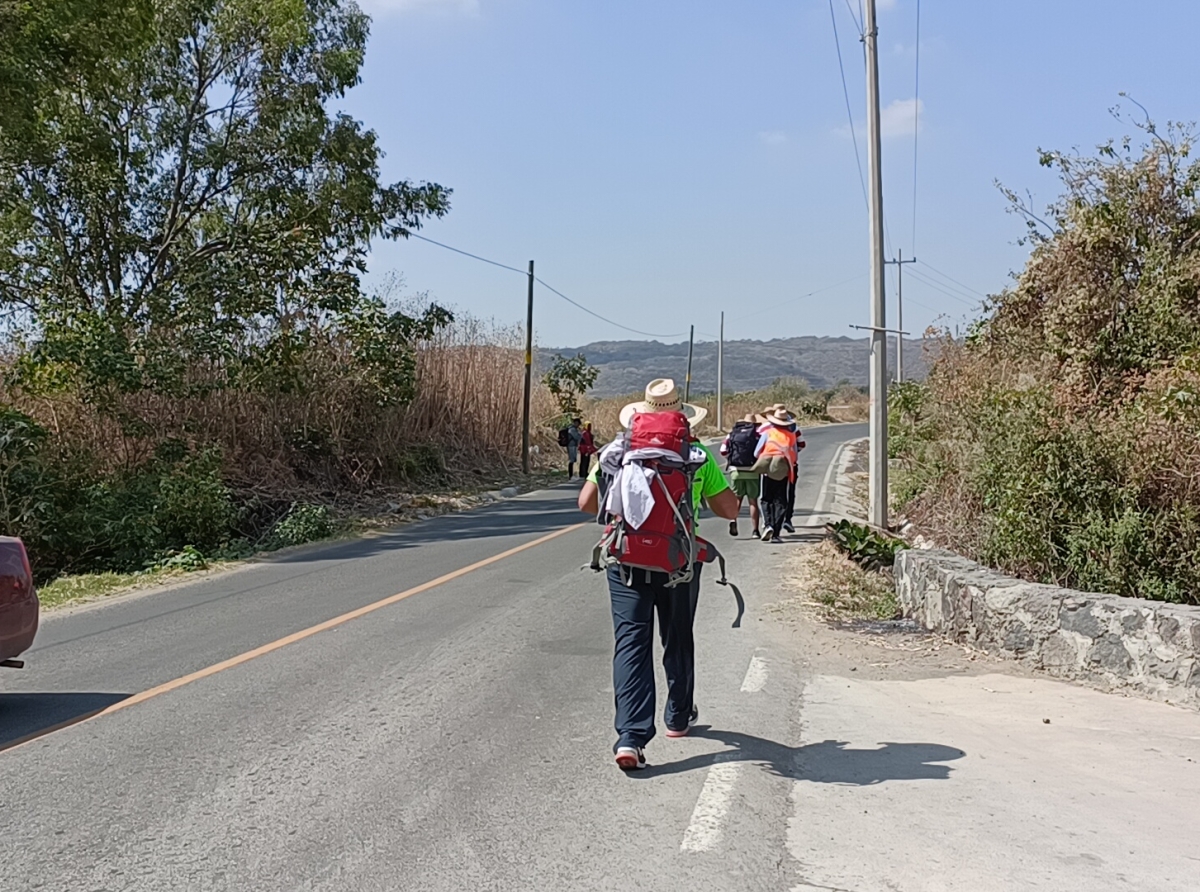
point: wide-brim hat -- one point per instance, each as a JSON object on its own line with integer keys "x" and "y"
{"x": 778, "y": 418}
{"x": 778, "y": 409}
{"x": 663, "y": 396}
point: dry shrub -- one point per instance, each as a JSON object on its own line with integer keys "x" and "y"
{"x": 1061, "y": 441}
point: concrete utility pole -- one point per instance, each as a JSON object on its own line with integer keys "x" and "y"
{"x": 879, "y": 382}
{"x": 687, "y": 382}
{"x": 900, "y": 261}
{"x": 721, "y": 375}
{"x": 528, "y": 377}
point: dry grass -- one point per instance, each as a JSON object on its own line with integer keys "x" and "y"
{"x": 828, "y": 582}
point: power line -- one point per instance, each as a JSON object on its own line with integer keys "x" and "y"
{"x": 800, "y": 297}
{"x": 856, "y": 19}
{"x": 951, "y": 278}
{"x": 469, "y": 254}
{"x": 916, "y": 126}
{"x": 846, "y": 93}
{"x": 938, "y": 287}
{"x": 573, "y": 303}
{"x": 544, "y": 285}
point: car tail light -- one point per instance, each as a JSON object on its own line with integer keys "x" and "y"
{"x": 16, "y": 577}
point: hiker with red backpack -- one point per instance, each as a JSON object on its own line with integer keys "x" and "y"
{"x": 739, "y": 451}
{"x": 646, "y": 486}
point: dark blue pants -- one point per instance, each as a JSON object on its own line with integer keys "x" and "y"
{"x": 633, "y": 608}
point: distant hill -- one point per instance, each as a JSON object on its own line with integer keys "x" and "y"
{"x": 626, "y": 366}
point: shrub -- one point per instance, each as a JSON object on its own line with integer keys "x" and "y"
{"x": 1061, "y": 439}
{"x": 303, "y": 523}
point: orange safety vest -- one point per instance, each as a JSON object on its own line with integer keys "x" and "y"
{"x": 782, "y": 443}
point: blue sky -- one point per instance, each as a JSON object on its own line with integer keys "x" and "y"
{"x": 663, "y": 160}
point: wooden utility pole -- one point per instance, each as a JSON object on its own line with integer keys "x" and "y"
{"x": 528, "y": 377}
{"x": 687, "y": 382}
{"x": 900, "y": 261}
{"x": 721, "y": 375}
{"x": 879, "y": 377}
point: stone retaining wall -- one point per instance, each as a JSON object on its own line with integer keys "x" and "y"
{"x": 1146, "y": 648}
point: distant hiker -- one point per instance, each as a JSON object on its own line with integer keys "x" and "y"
{"x": 661, "y": 436}
{"x": 776, "y": 455}
{"x": 781, "y": 409}
{"x": 570, "y": 437}
{"x": 587, "y": 448}
{"x": 738, "y": 450}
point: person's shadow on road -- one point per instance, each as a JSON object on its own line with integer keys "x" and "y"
{"x": 827, "y": 762}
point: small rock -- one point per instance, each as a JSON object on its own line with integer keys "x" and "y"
{"x": 1045, "y": 721}
{"x": 509, "y": 491}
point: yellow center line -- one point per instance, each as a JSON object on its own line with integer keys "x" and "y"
{"x": 176, "y": 683}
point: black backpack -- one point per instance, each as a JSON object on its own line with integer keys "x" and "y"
{"x": 564, "y": 437}
{"x": 742, "y": 441}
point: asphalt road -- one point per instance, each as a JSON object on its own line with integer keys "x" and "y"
{"x": 459, "y": 738}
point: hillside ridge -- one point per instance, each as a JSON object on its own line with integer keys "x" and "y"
{"x": 821, "y": 361}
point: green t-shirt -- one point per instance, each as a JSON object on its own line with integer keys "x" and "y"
{"x": 709, "y": 481}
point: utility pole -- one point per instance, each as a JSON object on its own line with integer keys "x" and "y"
{"x": 528, "y": 377}
{"x": 900, "y": 261}
{"x": 687, "y": 382}
{"x": 721, "y": 375}
{"x": 879, "y": 382}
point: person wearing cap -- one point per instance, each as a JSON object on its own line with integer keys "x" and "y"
{"x": 777, "y": 443}
{"x": 635, "y": 603}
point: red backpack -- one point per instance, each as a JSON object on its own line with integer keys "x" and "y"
{"x": 665, "y": 542}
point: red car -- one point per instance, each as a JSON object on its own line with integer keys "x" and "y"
{"x": 18, "y": 602}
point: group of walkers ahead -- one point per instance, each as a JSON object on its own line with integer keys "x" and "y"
{"x": 580, "y": 443}
{"x": 763, "y": 454}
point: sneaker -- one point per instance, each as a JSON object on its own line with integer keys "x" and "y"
{"x": 756, "y": 534}
{"x": 682, "y": 732}
{"x": 768, "y": 534}
{"x": 775, "y": 540}
{"x": 788, "y": 528}
{"x": 733, "y": 527}
{"x": 630, "y": 758}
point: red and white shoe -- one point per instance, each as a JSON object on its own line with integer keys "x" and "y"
{"x": 683, "y": 732}
{"x": 630, "y": 758}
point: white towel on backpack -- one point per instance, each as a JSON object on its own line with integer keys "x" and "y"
{"x": 637, "y": 499}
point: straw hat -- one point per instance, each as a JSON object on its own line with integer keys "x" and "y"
{"x": 778, "y": 409}
{"x": 779, "y": 418}
{"x": 663, "y": 396}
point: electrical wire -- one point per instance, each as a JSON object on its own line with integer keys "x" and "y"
{"x": 580, "y": 306}
{"x": 862, "y": 181}
{"x": 951, "y": 278}
{"x": 856, "y": 19}
{"x": 930, "y": 283}
{"x": 916, "y": 125}
{"x": 799, "y": 297}
{"x": 544, "y": 285}
{"x": 469, "y": 254}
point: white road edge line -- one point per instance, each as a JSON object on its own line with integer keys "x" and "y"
{"x": 823, "y": 494}
{"x": 756, "y": 675}
{"x": 704, "y": 831}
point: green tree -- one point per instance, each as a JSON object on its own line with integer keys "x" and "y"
{"x": 569, "y": 379}
{"x": 177, "y": 193}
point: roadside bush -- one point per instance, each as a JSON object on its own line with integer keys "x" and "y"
{"x": 303, "y": 523}
{"x": 1061, "y": 439}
